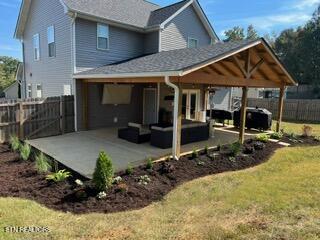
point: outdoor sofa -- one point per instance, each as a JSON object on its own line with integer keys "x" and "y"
{"x": 135, "y": 133}
{"x": 191, "y": 131}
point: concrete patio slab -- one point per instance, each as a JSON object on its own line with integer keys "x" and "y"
{"x": 80, "y": 150}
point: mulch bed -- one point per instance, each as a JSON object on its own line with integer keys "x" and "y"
{"x": 20, "y": 179}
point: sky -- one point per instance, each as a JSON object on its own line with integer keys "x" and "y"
{"x": 267, "y": 16}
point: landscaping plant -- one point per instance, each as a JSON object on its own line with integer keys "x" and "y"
{"x": 276, "y": 135}
{"x": 42, "y": 163}
{"x": 144, "y": 180}
{"x": 149, "y": 164}
{"x": 58, "y": 176}
{"x": 206, "y": 150}
{"x": 103, "y": 173}
{"x": 307, "y": 131}
{"x": 195, "y": 154}
{"x": 14, "y": 143}
{"x": 25, "y": 151}
{"x": 262, "y": 137}
{"x": 129, "y": 170}
{"x": 235, "y": 149}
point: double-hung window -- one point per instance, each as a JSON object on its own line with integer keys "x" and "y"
{"x": 102, "y": 36}
{"x": 51, "y": 41}
{"x": 192, "y": 43}
{"x": 36, "y": 47}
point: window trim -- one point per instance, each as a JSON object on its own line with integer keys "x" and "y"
{"x": 39, "y": 90}
{"x": 54, "y": 41}
{"x": 29, "y": 91}
{"x": 64, "y": 88}
{"x": 34, "y": 47}
{"x": 108, "y": 37}
{"x": 191, "y": 38}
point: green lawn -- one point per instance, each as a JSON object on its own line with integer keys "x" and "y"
{"x": 297, "y": 127}
{"x": 276, "y": 200}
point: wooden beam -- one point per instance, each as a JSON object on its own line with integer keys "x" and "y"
{"x": 215, "y": 69}
{"x": 243, "y": 114}
{"x": 280, "y": 108}
{"x": 228, "y": 69}
{"x": 225, "y": 81}
{"x": 238, "y": 63}
{"x": 85, "y": 111}
{"x": 256, "y": 67}
{"x": 248, "y": 63}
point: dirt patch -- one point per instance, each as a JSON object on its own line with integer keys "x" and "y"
{"x": 20, "y": 179}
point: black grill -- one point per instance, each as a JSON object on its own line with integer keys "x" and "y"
{"x": 257, "y": 118}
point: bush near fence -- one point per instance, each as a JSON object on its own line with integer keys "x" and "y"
{"x": 294, "y": 109}
{"x": 35, "y": 118}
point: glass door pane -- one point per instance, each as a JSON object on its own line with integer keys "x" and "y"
{"x": 193, "y": 105}
{"x": 184, "y": 106}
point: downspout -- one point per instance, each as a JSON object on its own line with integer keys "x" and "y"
{"x": 175, "y": 116}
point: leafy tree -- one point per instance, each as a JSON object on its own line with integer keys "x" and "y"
{"x": 234, "y": 34}
{"x": 8, "y": 67}
{"x": 252, "y": 34}
{"x": 238, "y": 34}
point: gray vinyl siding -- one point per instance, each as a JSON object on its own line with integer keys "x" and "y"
{"x": 152, "y": 42}
{"x": 186, "y": 25}
{"x": 123, "y": 44}
{"x": 102, "y": 115}
{"x": 51, "y": 73}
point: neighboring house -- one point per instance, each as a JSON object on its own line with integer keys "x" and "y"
{"x": 13, "y": 91}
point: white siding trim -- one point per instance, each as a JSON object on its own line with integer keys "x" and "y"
{"x": 160, "y": 45}
{"x": 176, "y": 14}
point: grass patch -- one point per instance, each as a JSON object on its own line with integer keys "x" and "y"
{"x": 276, "y": 200}
{"x": 296, "y": 128}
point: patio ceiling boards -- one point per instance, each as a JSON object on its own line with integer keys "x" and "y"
{"x": 233, "y": 64}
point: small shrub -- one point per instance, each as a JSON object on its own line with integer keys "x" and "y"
{"x": 262, "y": 137}
{"x": 219, "y": 147}
{"x": 117, "y": 180}
{"x": 103, "y": 173}
{"x": 206, "y": 150}
{"x": 235, "y": 149}
{"x": 78, "y": 182}
{"x": 101, "y": 195}
{"x": 149, "y": 164}
{"x": 25, "y": 151}
{"x": 259, "y": 146}
{"x": 167, "y": 167}
{"x": 81, "y": 194}
{"x": 59, "y": 176}
{"x": 200, "y": 163}
{"x": 122, "y": 187}
{"x": 42, "y": 163}
{"x": 144, "y": 180}
{"x": 276, "y": 135}
{"x": 195, "y": 154}
{"x": 14, "y": 143}
{"x": 129, "y": 170}
{"x": 307, "y": 131}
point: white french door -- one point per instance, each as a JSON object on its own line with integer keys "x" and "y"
{"x": 190, "y": 103}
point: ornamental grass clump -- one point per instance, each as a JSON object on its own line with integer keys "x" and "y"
{"x": 42, "y": 163}
{"x": 149, "y": 164}
{"x": 103, "y": 173}
{"x": 276, "y": 135}
{"x": 14, "y": 143}
{"x": 25, "y": 151}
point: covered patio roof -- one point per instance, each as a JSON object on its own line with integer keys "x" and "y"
{"x": 235, "y": 64}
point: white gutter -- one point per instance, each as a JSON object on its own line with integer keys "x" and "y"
{"x": 175, "y": 116}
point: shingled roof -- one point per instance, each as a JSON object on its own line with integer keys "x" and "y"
{"x": 169, "y": 61}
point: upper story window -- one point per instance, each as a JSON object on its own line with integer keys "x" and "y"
{"x": 36, "y": 47}
{"x": 192, "y": 43}
{"x": 102, "y": 36}
{"x": 51, "y": 42}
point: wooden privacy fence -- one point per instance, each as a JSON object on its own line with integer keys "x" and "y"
{"x": 294, "y": 109}
{"x": 35, "y": 118}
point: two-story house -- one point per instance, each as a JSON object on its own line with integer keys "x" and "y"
{"x": 134, "y": 61}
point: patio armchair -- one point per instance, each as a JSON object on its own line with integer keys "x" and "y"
{"x": 135, "y": 133}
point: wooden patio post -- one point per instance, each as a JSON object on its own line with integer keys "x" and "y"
{"x": 280, "y": 108}
{"x": 243, "y": 114}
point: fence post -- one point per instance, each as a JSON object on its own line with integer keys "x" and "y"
{"x": 62, "y": 115}
{"x": 21, "y": 121}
